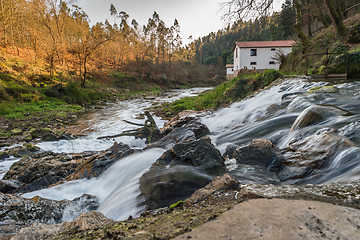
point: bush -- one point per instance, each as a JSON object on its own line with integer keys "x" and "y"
{"x": 270, "y": 75}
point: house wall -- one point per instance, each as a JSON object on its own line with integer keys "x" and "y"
{"x": 262, "y": 58}
{"x": 229, "y": 70}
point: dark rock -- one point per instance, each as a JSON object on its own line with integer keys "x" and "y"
{"x": 4, "y": 155}
{"x": 97, "y": 164}
{"x": 45, "y": 169}
{"x": 19, "y": 152}
{"x": 180, "y": 171}
{"x": 260, "y": 152}
{"x": 49, "y": 137}
{"x": 8, "y": 185}
{"x": 229, "y": 151}
{"x": 197, "y": 153}
{"x": 40, "y": 170}
{"x": 193, "y": 130}
{"x": 183, "y": 118}
{"x": 218, "y": 183}
{"x": 316, "y": 113}
{"x": 351, "y": 132}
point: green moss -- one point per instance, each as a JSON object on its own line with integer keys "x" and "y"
{"x": 323, "y": 89}
{"x": 175, "y": 205}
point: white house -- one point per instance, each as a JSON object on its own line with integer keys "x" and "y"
{"x": 259, "y": 54}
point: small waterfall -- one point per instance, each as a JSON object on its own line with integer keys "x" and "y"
{"x": 267, "y": 115}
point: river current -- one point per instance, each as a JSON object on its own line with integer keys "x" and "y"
{"x": 267, "y": 115}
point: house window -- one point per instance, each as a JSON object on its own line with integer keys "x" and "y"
{"x": 272, "y": 62}
{"x": 252, "y": 63}
{"x": 253, "y": 52}
{"x": 273, "y": 49}
{"x": 236, "y": 50}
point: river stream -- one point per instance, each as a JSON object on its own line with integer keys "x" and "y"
{"x": 267, "y": 115}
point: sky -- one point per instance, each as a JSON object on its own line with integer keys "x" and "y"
{"x": 196, "y": 17}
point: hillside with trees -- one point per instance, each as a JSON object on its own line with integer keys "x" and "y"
{"x": 49, "y": 41}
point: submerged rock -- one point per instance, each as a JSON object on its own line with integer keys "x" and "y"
{"x": 307, "y": 156}
{"x": 351, "y": 132}
{"x": 316, "y": 113}
{"x": 260, "y": 152}
{"x": 180, "y": 171}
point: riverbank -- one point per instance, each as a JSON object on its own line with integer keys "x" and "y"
{"x": 228, "y": 209}
{"x": 189, "y": 156}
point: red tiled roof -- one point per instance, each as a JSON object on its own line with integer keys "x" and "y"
{"x": 262, "y": 44}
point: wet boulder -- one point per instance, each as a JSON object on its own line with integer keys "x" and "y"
{"x": 40, "y": 170}
{"x": 317, "y": 113}
{"x": 229, "y": 151}
{"x": 8, "y": 185}
{"x": 197, "y": 153}
{"x": 4, "y": 155}
{"x": 192, "y": 130}
{"x": 351, "y": 132}
{"x": 260, "y": 152}
{"x": 308, "y": 156}
{"x": 45, "y": 169}
{"x": 182, "y": 119}
{"x": 96, "y": 164}
{"x": 19, "y": 152}
{"x": 180, "y": 171}
{"x": 49, "y": 137}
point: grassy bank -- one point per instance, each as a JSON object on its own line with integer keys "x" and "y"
{"x": 222, "y": 95}
{"x": 344, "y": 50}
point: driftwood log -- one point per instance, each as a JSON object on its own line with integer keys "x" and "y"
{"x": 148, "y": 131}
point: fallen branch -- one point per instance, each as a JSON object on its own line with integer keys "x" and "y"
{"x": 149, "y": 130}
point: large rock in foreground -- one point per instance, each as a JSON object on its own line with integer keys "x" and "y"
{"x": 181, "y": 171}
{"x": 281, "y": 219}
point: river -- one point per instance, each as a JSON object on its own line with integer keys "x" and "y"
{"x": 267, "y": 115}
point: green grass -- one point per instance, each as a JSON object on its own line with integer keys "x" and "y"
{"x": 21, "y": 110}
{"x": 223, "y": 94}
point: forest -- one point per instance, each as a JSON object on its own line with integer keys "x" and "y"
{"x": 54, "y": 40}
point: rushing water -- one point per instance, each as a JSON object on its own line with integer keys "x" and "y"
{"x": 267, "y": 115}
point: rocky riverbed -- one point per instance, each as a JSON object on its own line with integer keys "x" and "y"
{"x": 296, "y": 146}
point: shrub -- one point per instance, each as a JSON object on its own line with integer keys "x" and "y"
{"x": 270, "y": 75}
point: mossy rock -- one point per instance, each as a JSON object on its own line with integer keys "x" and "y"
{"x": 45, "y": 130}
{"x": 324, "y": 89}
{"x": 16, "y": 131}
{"x": 4, "y": 155}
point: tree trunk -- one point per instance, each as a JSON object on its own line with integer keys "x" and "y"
{"x": 321, "y": 15}
{"x": 298, "y": 26}
{"x": 336, "y": 18}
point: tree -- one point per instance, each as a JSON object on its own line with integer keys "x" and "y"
{"x": 336, "y": 17}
